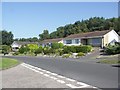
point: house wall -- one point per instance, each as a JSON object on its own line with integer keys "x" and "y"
{"x": 60, "y": 41}
{"x": 73, "y": 42}
{"x": 15, "y": 46}
{"x": 111, "y": 37}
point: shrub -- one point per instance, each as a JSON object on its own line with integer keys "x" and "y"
{"x": 32, "y": 47}
{"x": 61, "y": 45}
{"x": 56, "y": 45}
{"x": 24, "y": 49}
{"x": 16, "y": 53}
{"x": 5, "y": 49}
{"x": 112, "y": 49}
{"x": 68, "y": 49}
{"x": 84, "y": 48}
{"x": 66, "y": 55}
{"x": 80, "y": 54}
{"x": 38, "y": 51}
{"x": 46, "y": 50}
{"x": 77, "y": 49}
{"x": 60, "y": 51}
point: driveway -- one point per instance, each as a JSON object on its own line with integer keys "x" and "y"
{"x": 98, "y": 75}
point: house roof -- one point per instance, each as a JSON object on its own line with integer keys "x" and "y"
{"x": 88, "y": 34}
{"x": 24, "y": 43}
{"x": 51, "y": 40}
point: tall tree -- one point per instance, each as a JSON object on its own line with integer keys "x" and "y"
{"x": 7, "y": 37}
{"x": 44, "y": 35}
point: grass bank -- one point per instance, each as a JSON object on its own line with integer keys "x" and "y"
{"x": 6, "y": 63}
{"x": 109, "y": 61}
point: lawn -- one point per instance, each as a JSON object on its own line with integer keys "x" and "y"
{"x": 6, "y": 63}
{"x": 109, "y": 61}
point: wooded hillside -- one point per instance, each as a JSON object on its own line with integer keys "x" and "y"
{"x": 92, "y": 24}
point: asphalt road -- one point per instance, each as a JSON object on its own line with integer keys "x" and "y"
{"x": 99, "y": 75}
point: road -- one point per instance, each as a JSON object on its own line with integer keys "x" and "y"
{"x": 99, "y": 75}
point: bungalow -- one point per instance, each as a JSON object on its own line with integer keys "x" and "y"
{"x": 95, "y": 38}
{"x": 48, "y": 42}
{"x": 17, "y": 44}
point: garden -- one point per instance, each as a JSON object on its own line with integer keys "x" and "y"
{"x": 56, "y": 49}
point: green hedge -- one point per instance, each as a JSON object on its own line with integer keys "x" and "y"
{"x": 77, "y": 49}
{"x": 112, "y": 49}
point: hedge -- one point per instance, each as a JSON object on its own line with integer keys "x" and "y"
{"x": 112, "y": 49}
{"x": 77, "y": 49}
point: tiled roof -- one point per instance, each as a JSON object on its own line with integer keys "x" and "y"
{"x": 88, "y": 34}
{"x": 51, "y": 40}
{"x": 24, "y": 43}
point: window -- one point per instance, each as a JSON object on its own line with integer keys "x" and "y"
{"x": 96, "y": 40}
{"x": 76, "y": 41}
{"x": 68, "y": 41}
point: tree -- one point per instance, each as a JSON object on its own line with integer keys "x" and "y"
{"x": 7, "y": 37}
{"x": 89, "y": 25}
{"x": 44, "y": 35}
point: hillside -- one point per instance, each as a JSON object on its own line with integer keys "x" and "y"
{"x": 92, "y": 24}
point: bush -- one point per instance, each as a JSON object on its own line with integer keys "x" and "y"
{"x": 24, "y": 50}
{"x": 112, "y": 49}
{"x": 6, "y": 49}
{"x": 16, "y": 53}
{"x": 56, "y": 45}
{"x": 84, "y": 48}
{"x": 68, "y": 49}
{"x": 77, "y": 49}
{"x": 32, "y": 47}
{"x": 60, "y": 52}
{"x": 66, "y": 55}
{"x": 46, "y": 50}
{"x": 80, "y": 54}
{"x": 38, "y": 51}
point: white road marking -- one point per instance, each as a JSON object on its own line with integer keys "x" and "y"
{"x": 54, "y": 74}
{"x": 41, "y": 72}
{"x": 61, "y": 81}
{"x": 70, "y": 79}
{"x": 81, "y": 83}
{"x": 61, "y": 76}
{"x": 49, "y": 74}
{"x": 72, "y": 86}
{"x": 53, "y": 78}
{"x": 46, "y": 75}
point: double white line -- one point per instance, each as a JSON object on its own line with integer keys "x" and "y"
{"x": 57, "y": 77}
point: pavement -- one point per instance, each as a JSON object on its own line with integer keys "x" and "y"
{"x": 22, "y": 77}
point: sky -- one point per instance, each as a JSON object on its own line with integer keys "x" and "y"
{"x": 29, "y": 19}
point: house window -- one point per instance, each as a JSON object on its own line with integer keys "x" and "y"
{"x": 68, "y": 41}
{"x": 96, "y": 41}
{"x": 76, "y": 41}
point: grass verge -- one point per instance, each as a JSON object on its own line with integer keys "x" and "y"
{"x": 6, "y": 63}
{"x": 109, "y": 61}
